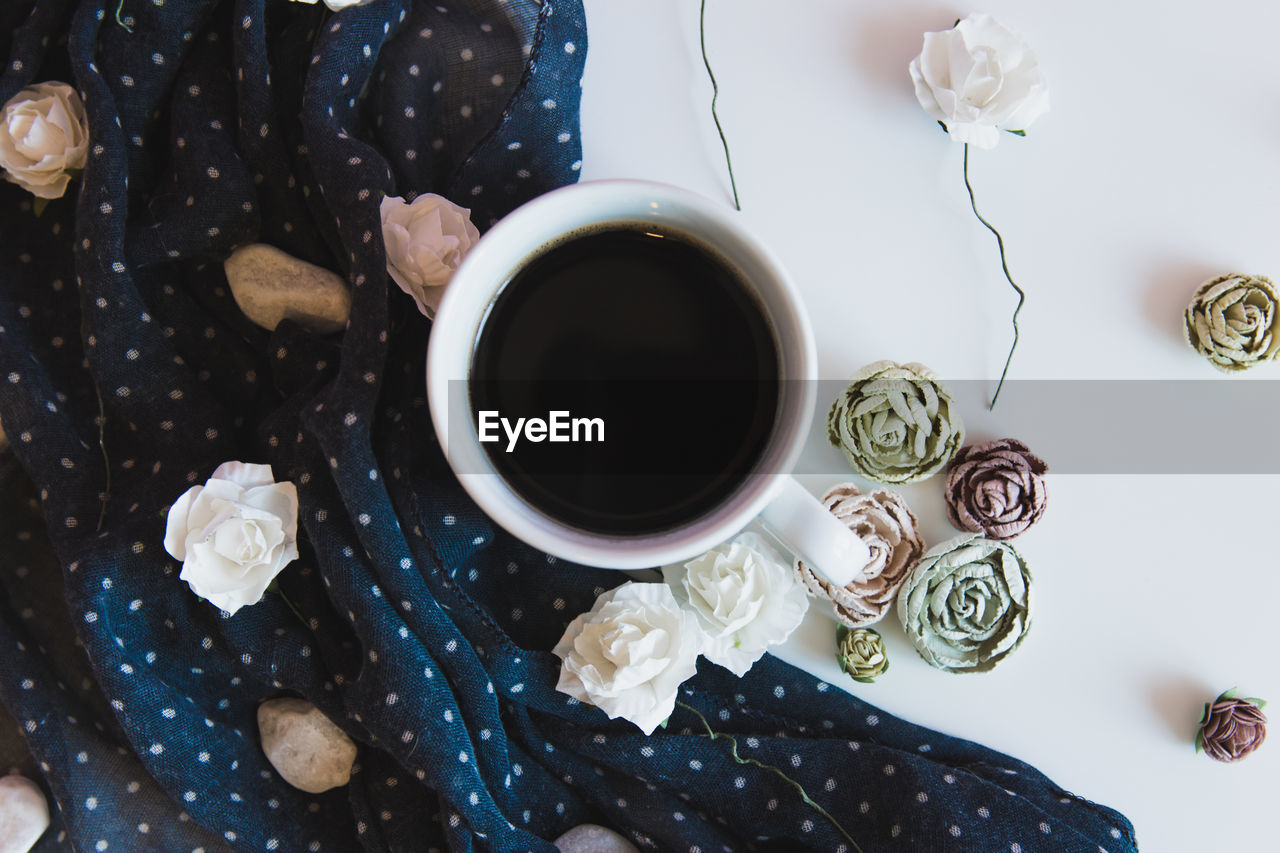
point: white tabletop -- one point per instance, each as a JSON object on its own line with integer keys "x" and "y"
{"x": 1157, "y": 167}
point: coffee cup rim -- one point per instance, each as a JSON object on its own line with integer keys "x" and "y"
{"x": 477, "y": 283}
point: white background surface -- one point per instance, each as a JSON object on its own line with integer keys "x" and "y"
{"x": 1157, "y": 167}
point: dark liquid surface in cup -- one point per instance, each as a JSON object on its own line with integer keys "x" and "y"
{"x": 660, "y": 340}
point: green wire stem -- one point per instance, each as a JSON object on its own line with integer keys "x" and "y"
{"x": 1004, "y": 264}
{"x": 733, "y": 750}
{"x": 715, "y": 95}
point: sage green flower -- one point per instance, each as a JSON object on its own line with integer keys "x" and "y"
{"x": 895, "y": 423}
{"x": 967, "y": 605}
{"x": 1231, "y": 322}
{"x": 861, "y": 654}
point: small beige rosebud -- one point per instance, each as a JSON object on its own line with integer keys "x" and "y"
{"x": 44, "y": 136}
{"x": 861, "y": 654}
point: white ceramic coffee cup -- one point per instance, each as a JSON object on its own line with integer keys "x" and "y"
{"x": 782, "y": 504}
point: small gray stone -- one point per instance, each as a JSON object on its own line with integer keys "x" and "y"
{"x": 270, "y": 285}
{"x": 589, "y": 838}
{"x": 304, "y": 746}
{"x": 24, "y": 814}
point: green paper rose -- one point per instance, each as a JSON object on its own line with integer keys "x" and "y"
{"x": 861, "y": 654}
{"x": 967, "y": 605}
{"x": 895, "y": 423}
{"x": 1231, "y": 322}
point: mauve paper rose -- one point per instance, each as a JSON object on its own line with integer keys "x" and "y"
{"x": 234, "y": 534}
{"x": 895, "y": 423}
{"x": 745, "y": 599}
{"x": 1231, "y": 728}
{"x": 1231, "y": 322}
{"x": 996, "y": 489}
{"x": 889, "y": 528}
{"x": 967, "y": 605}
{"x": 630, "y": 653}
{"x": 861, "y": 655}
{"x": 979, "y": 78}
{"x": 425, "y": 241}
{"x": 44, "y": 137}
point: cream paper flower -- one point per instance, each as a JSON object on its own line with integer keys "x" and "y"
{"x": 744, "y": 596}
{"x": 425, "y": 242}
{"x": 234, "y": 534}
{"x": 978, "y": 79}
{"x": 43, "y": 137}
{"x": 630, "y": 653}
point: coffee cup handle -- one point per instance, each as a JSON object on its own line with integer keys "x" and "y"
{"x": 816, "y": 536}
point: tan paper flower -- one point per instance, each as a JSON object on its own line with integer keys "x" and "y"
{"x": 44, "y": 137}
{"x": 889, "y": 528}
{"x": 1231, "y": 728}
{"x": 967, "y": 606}
{"x": 1231, "y": 321}
{"x": 895, "y": 423}
{"x": 996, "y": 489}
{"x": 861, "y": 654}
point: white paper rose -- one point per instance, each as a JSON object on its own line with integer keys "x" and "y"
{"x": 234, "y": 534}
{"x": 425, "y": 242}
{"x": 978, "y": 79}
{"x": 746, "y": 598}
{"x": 630, "y": 653}
{"x": 43, "y": 138}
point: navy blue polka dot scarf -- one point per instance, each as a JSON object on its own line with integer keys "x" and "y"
{"x": 129, "y": 375}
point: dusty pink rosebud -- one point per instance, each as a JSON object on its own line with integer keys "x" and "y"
{"x": 1231, "y": 728}
{"x": 996, "y": 489}
{"x": 889, "y": 528}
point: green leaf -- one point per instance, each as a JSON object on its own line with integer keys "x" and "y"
{"x": 663, "y": 724}
{"x": 1261, "y": 703}
{"x": 864, "y": 680}
{"x": 1199, "y": 742}
{"x": 842, "y": 631}
{"x": 1018, "y": 132}
{"x": 1228, "y": 694}
{"x": 38, "y": 205}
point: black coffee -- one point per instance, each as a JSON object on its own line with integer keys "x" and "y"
{"x": 645, "y": 371}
